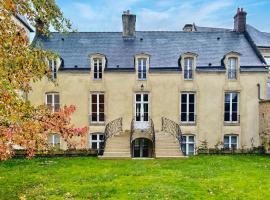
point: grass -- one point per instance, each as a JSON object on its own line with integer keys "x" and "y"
{"x": 199, "y": 177}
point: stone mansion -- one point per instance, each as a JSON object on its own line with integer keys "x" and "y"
{"x": 159, "y": 93}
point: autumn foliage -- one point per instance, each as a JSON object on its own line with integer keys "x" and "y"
{"x": 23, "y": 124}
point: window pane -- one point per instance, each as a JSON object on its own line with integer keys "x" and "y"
{"x": 94, "y": 145}
{"x": 191, "y": 107}
{"x": 138, "y": 97}
{"x": 191, "y": 138}
{"x": 49, "y": 99}
{"x": 94, "y": 117}
{"x": 184, "y": 149}
{"x": 183, "y": 107}
{"x": 94, "y": 98}
{"x": 227, "y": 97}
{"x": 56, "y": 98}
{"x": 234, "y": 97}
{"x": 56, "y": 139}
{"x": 94, "y": 108}
{"x": 184, "y": 139}
{"x": 101, "y": 137}
{"x": 226, "y": 139}
{"x": 227, "y": 116}
{"x": 233, "y": 139}
{"x": 184, "y": 98}
{"x": 234, "y": 107}
{"x": 183, "y": 117}
{"x": 145, "y": 97}
{"x": 234, "y": 116}
{"x": 191, "y": 98}
{"x": 191, "y": 117}
{"x": 227, "y": 107}
{"x": 191, "y": 149}
{"x": 101, "y": 117}
{"x": 94, "y": 137}
{"x": 101, "y": 98}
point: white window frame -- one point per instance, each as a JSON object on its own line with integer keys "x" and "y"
{"x": 188, "y": 142}
{"x": 53, "y": 100}
{"x": 142, "y": 102}
{"x": 230, "y": 111}
{"x": 53, "y": 139}
{"x": 140, "y": 64}
{"x": 230, "y": 141}
{"x": 98, "y": 103}
{"x": 98, "y": 140}
{"x": 53, "y": 67}
{"x": 231, "y": 70}
{"x": 187, "y": 107}
{"x": 97, "y": 63}
{"x": 190, "y": 66}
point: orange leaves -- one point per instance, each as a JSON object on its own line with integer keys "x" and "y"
{"x": 22, "y": 124}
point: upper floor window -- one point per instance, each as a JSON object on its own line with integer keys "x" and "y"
{"x": 230, "y": 141}
{"x": 188, "y": 68}
{"x": 142, "y": 68}
{"x": 53, "y": 101}
{"x": 231, "y": 107}
{"x": 97, "y": 107}
{"x": 53, "y": 67}
{"x": 188, "y": 107}
{"x": 97, "y": 68}
{"x": 232, "y": 66}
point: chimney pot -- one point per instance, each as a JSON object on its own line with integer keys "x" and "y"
{"x": 240, "y": 21}
{"x": 129, "y": 24}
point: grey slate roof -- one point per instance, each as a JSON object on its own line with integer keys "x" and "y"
{"x": 164, "y": 48}
{"x": 261, "y": 39}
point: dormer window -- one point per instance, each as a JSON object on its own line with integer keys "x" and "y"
{"x": 232, "y": 66}
{"x": 53, "y": 67}
{"x": 142, "y": 61}
{"x": 97, "y": 68}
{"x": 188, "y": 68}
{"x": 142, "y": 68}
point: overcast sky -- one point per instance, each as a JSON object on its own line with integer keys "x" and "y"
{"x": 105, "y": 15}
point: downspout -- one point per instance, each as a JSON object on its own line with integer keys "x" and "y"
{"x": 259, "y": 91}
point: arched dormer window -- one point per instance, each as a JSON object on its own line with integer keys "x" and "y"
{"x": 188, "y": 62}
{"x": 97, "y": 65}
{"x": 232, "y": 64}
{"x": 142, "y": 65}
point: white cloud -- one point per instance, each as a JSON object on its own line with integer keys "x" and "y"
{"x": 105, "y": 15}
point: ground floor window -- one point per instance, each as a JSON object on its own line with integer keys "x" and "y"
{"x": 188, "y": 144}
{"x": 97, "y": 141}
{"x": 230, "y": 141}
{"x": 54, "y": 140}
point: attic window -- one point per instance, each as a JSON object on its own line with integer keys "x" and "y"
{"x": 52, "y": 65}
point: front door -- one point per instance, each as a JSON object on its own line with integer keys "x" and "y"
{"x": 141, "y": 148}
{"x": 142, "y": 107}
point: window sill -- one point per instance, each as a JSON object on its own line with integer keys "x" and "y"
{"x": 97, "y": 123}
{"x": 188, "y": 123}
{"x": 231, "y": 123}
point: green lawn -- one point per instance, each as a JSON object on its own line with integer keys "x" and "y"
{"x": 199, "y": 177}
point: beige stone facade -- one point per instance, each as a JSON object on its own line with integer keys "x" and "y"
{"x": 164, "y": 90}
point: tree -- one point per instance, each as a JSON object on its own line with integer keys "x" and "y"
{"x": 20, "y": 63}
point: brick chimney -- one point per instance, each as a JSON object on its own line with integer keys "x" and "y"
{"x": 129, "y": 23}
{"x": 240, "y": 21}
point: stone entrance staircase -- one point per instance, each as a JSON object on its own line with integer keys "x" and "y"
{"x": 117, "y": 147}
{"x": 167, "y": 146}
